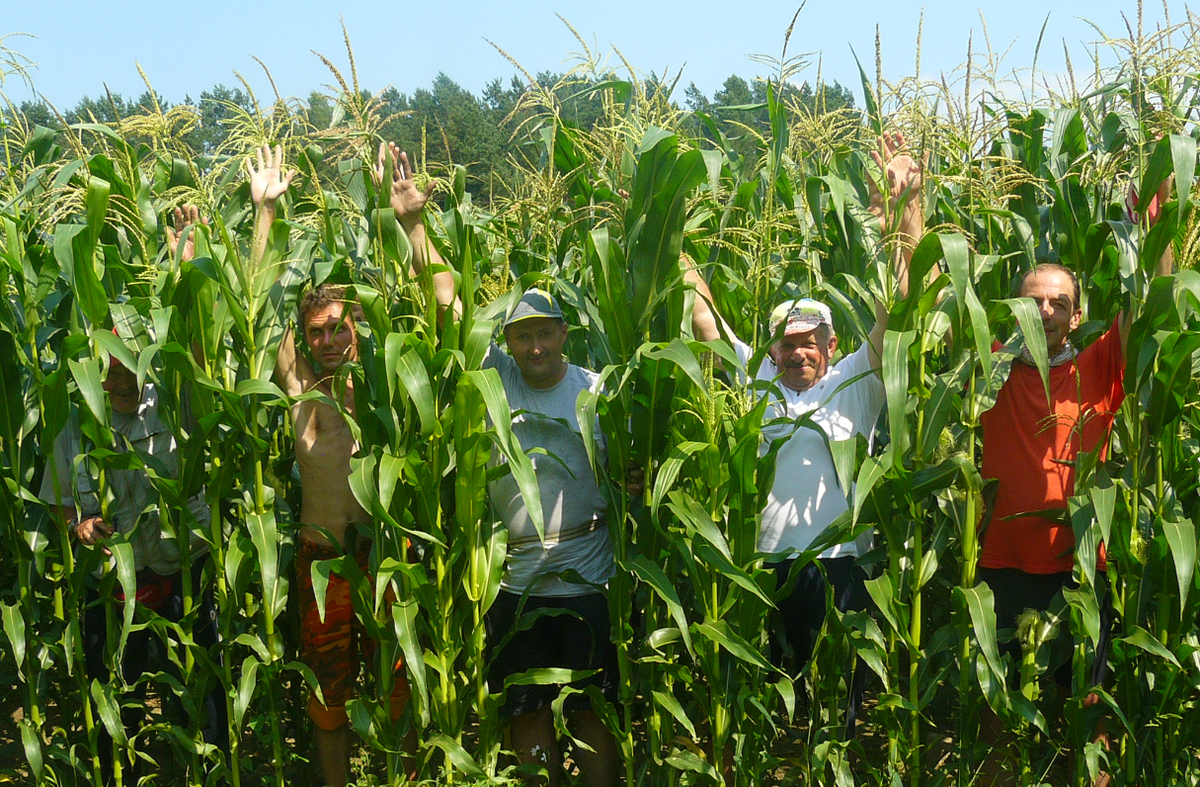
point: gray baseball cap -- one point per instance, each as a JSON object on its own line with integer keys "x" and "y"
{"x": 536, "y": 302}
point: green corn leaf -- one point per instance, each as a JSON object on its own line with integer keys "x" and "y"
{"x": 14, "y": 629}
{"x": 719, "y": 632}
{"x": 457, "y": 755}
{"x": 684, "y": 760}
{"x": 31, "y": 742}
{"x": 411, "y": 371}
{"x": 1181, "y": 538}
{"x": 1158, "y": 170}
{"x": 110, "y": 711}
{"x": 881, "y": 592}
{"x": 265, "y": 537}
{"x": 320, "y": 571}
{"x": 245, "y": 690}
{"x": 678, "y": 353}
{"x": 980, "y": 604}
{"x": 1140, "y": 638}
{"x": 488, "y": 383}
{"x": 1032, "y": 333}
{"x": 654, "y": 576}
{"x": 895, "y": 383}
{"x": 668, "y": 701}
{"x": 694, "y": 515}
{"x": 405, "y": 626}
{"x": 1083, "y": 600}
{"x": 669, "y": 471}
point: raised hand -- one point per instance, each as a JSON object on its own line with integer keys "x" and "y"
{"x": 1154, "y": 209}
{"x": 903, "y": 174}
{"x": 405, "y": 198}
{"x": 267, "y": 181}
{"x": 185, "y": 217}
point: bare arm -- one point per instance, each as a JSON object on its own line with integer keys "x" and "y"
{"x": 267, "y": 185}
{"x": 292, "y": 371}
{"x": 408, "y": 203}
{"x": 903, "y": 211}
{"x": 1166, "y": 263}
{"x": 706, "y": 323}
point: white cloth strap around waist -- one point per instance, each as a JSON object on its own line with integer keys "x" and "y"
{"x": 552, "y": 539}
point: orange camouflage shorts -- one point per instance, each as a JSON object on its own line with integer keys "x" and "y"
{"x": 334, "y": 648}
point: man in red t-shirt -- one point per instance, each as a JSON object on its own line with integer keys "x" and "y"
{"x": 1030, "y": 445}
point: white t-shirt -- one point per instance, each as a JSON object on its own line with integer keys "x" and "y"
{"x": 806, "y": 496}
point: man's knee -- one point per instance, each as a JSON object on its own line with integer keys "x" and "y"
{"x": 326, "y": 718}
{"x": 401, "y": 693}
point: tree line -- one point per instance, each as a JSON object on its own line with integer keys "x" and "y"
{"x": 446, "y": 124}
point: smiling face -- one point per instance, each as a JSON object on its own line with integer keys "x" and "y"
{"x": 802, "y": 358}
{"x": 536, "y": 344}
{"x": 329, "y": 334}
{"x": 123, "y": 390}
{"x": 1054, "y": 294}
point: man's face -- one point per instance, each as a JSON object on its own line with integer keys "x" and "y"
{"x": 1054, "y": 296}
{"x": 330, "y": 337}
{"x": 802, "y": 358}
{"x": 536, "y": 344}
{"x": 123, "y": 389}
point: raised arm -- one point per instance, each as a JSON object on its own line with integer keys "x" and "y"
{"x": 408, "y": 203}
{"x": 902, "y": 220}
{"x": 184, "y": 217}
{"x": 267, "y": 184}
{"x": 1166, "y": 263}
{"x": 706, "y": 323}
{"x": 292, "y": 371}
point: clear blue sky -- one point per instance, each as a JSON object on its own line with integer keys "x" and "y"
{"x": 184, "y": 49}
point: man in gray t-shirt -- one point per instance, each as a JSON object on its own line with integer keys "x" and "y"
{"x": 71, "y": 489}
{"x": 542, "y": 389}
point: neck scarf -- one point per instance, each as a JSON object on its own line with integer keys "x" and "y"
{"x": 1066, "y": 354}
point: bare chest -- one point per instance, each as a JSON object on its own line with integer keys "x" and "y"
{"x": 323, "y": 438}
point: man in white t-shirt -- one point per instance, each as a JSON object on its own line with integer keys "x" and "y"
{"x": 816, "y": 400}
{"x": 841, "y": 400}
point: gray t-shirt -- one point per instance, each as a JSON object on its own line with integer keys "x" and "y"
{"x": 572, "y": 506}
{"x": 133, "y": 507}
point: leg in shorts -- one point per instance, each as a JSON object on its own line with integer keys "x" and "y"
{"x": 334, "y": 648}
{"x": 1016, "y": 591}
{"x": 579, "y": 641}
{"x": 802, "y": 613}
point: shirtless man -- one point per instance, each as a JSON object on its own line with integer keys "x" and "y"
{"x": 329, "y": 512}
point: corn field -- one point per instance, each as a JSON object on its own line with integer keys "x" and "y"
{"x": 602, "y": 216}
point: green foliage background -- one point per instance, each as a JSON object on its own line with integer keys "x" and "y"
{"x": 596, "y": 182}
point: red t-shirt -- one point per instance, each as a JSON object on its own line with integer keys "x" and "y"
{"x": 1030, "y": 452}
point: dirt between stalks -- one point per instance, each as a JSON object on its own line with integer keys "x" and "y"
{"x": 788, "y": 751}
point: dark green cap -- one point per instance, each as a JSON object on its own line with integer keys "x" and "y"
{"x": 536, "y": 302}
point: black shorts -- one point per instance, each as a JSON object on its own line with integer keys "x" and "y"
{"x": 802, "y": 611}
{"x": 1016, "y": 591}
{"x": 577, "y": 638}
